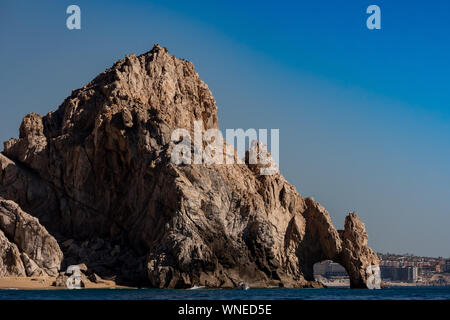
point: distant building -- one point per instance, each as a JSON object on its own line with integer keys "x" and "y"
{"x": 320, "y": 268}
{"x": 414, "y": 274}
{"x": 427, "y": 268}
{"x": 408, "y": 274}
{"x": 329, "y": 269}
{"x": 447, "y": 266}
{"x": 335, "y": 270}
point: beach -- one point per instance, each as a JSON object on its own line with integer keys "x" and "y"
{"x": 46, "y": 283}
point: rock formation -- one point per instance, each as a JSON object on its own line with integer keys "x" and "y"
{"x": 97, "y": 174}
{"x": 26, "y": 244}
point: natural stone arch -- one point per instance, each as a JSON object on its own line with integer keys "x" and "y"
{"x": 348, "y": 247}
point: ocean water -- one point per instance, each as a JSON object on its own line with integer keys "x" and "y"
{"x": 394, "y": 293}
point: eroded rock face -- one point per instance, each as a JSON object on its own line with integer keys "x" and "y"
{"x": 97, "y": 173}
{"x": 10, "y": 262}
{"x": 356, "y": 255}
{"x": 27, "y": 243}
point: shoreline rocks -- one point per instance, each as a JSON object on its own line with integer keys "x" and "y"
{"x": 35, "y": 249}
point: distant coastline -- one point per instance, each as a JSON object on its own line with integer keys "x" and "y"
{"x": 404, "y": 270}
{"x": 346, "y": 283}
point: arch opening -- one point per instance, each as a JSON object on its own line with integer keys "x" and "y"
{"x": 331, "y": 274}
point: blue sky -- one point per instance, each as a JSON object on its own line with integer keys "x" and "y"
{"x": 364, "y": 115}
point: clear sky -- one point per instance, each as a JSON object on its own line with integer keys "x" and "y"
{"x": 364, "y": 115}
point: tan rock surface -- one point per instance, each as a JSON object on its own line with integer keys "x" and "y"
{"x": 97, "y": 173}
{"x": 37, "y": 249}
{"x": 10, "y": 262}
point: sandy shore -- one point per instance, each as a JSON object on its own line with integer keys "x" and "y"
{"x": 45, "y": 283}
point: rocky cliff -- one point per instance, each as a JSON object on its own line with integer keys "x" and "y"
{"x": 96, "y": 173}
{"x": 26, "y": 248}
